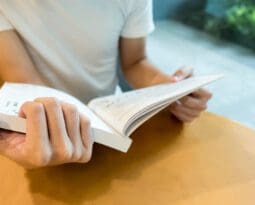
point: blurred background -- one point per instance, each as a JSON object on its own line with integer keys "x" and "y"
{"x": 213, "y": 36}
{"x": 229, "y": 19}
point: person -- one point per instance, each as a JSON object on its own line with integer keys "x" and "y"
{"x": 76, "y": 47}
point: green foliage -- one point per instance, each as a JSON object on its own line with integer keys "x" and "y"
{"x": 242, "y": 18}
{"x": 238, "y": 23}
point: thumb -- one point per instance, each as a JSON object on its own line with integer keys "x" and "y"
{"x": 183, "y": 73}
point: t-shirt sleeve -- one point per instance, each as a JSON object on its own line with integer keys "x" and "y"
{"x": 4, "y": 23}
{"x": 139, "y": 20}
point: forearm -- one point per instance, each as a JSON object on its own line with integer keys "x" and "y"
{"x": 144, "y": 74}
{"x": 15, "y": 63}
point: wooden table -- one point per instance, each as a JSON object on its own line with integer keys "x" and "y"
{"x": 211, "y": 161}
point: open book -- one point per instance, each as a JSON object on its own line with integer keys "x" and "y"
{"x": 113, "y": 118}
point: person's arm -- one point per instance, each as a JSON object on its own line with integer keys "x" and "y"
{"x": 136, "y": 67}
{"x": 56, "y": 134}
{"x": 15, "y": 62}
{"x": 140, "y": 72}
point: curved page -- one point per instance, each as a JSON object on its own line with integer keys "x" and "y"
{"x": 13, "y": 95}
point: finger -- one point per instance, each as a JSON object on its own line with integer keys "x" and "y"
{"x": 37, "y": 138}
{"x": 35, "y": 122}
{"x": 72, "y": 122}
{"x": 182, "y": 117}
{"x": 61, "y": 144}
{"x": 87, "y": 138}
{"x": 183, "y": 73}
{"x": 186, "y": 111}
{"x": 202, "y": 94}
{"x": 193, "y": 103}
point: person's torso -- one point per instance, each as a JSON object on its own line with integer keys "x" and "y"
{"x": 73, "y": 44}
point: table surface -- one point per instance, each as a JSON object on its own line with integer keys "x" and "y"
{"x": 210, "y": 161}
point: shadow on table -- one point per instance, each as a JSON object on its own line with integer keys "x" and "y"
{"x": 75, "y": 184}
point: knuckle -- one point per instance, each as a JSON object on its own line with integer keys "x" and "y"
{"x": 204, "y": 107}
{"x": 63, "y": 154}
{"x": 67, "y": 155}
{"x": 36, "y": 108}
{"x": 76, "y": 158}
{"x": 201, "y": 108}
{"x": 51, "y": 101}
{"x": 77, "y": 155}
{"x": 42, "y": 160}
{"x": 87, "y": 155}
{"x": 86, "y": 158}
{"x": 48, "y": 101}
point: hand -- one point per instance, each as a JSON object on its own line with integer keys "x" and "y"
{"x": 190, "y": 107}
{"x": 56, "y": 134}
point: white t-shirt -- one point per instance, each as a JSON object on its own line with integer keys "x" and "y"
{"x": 74, "y": 44}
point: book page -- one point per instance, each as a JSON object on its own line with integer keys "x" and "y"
{"x": 12, "y": 96}
{"x": 122, "y": 110}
